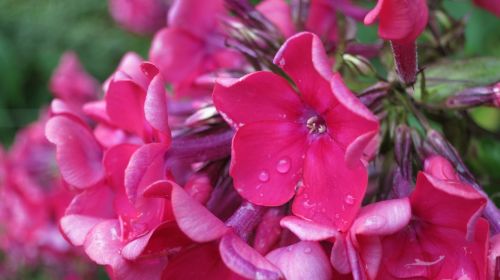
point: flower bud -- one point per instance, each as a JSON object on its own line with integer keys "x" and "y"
{"x": 476, "y": 96}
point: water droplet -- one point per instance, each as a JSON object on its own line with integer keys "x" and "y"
{"x": 264, "y": 176}
{"x": 282, "y": 62}
{"x": 308, "y": 204}
{"x": 349, "y": 199}
{"x": 289, "y": 248}
{"x": 323, "y": 210}
{"x": 307, "y": 250}
{"x": 261, "y": 194}
{"x": 258, "y": 186}
{"x": 283, "y": 165}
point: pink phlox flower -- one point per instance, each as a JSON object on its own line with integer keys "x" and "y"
{"x": 140, "y": 16}
{"x": 193, "y": 43}
{"x": 446, "y": 237}
{"x": 306, "y": 144}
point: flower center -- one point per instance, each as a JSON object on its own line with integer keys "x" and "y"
{"x": 316, "y": 125}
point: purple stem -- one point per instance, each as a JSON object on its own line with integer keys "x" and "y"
{"x": 405, "y": 56}
{"x": 210, "y": 147}
{"x": 244, "y": 220}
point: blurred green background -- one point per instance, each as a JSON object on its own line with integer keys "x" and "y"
{"x": 33, "y": 36}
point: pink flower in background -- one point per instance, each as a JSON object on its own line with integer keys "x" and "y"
{"x": 71, "y": 83}
{"x": 306, "y": 144}
{"x": 401, "y": 22}
{"x": 33, "y": 198}
{"x": 140, "y": 16}
{"x": 493, "y": 6}
{"x": 193, "y": 42}
{"x": 494, "y": 257}
{"x": 71, "y": 86}
{"x": 446, "y": 238}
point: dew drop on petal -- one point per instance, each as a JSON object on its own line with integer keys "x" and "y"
{"x": 283, "y": 165}
{"x": 282, "y": 62}
{"x": 349, "y": 199}
{"x": 263, "y": 176}
{"x": 307, "y": 250}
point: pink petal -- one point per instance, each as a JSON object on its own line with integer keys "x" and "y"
{"x": 146, "y": 166}
{"x": 268, "y": 231}
{"x": 493, "y": 257}
{"x": 332, "y": 191}
{"x": 399, "y": 20}
{"x": 302, "y": 260}
{"x": 124, "y": 95}
{"x": 144, "y": 269}
{"x": 60, "y": 107}
{"x": 141, "y": 16}
{"x": 155, "y": 108}
{"x": 493, "y": 6}
{"x": 96, "y": 202}
{"x": 321, "y": 19}
{"x": 304, "y": 59}
{"x": 193, "y": 218}
{"x": 177, "y": 53}
{"x": 244, "y": 260}
{"x": 96, "y": 110}
{"x": 199, "y": 187}
{"x": 159, "y": 241}
{"x": 446, "y": 203}
{"x": 200, "y": 20}
{"x": 267, "y": 161}
{"x": 76, "y": 227}
{"x": 350, "y": 123}
{"x": 339, "y": 258}
{"x": 103, "y": 243}
{"x": 370, "y": 252}
{"x": 71, "y": 83}
{"x": 116, "y": 160}
{"x": 257, "y": 97}
{"x": 308, "y": 230}
{"x": 440, "y": 168}
{"x": 279, "y": 13}
{"x": 130, "y": 64}
{"x": 78, "y": 154}
{"x": 383, "y": 218}
{"x": 208, "y": 264}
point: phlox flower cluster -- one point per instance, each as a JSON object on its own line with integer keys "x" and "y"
{"x": 236, "y": 150}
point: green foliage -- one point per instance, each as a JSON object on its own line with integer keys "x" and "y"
{"x": 33, "y": 36}
{"x": 448, "y": 77}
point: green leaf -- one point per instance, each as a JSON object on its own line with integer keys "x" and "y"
{"x": 449, "y": 77}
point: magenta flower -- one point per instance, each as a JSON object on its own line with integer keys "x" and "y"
{"x": 494, "y": 257}
{"x": 493, "y": 6}
{"x": 446, "y": 238}
{"x": 71, "y": 83}
{"x": 306, "y": 144}
{"x": 193, "y": 43}
{"x": 359, "y": 250}
{"x": 140, "y": 16}
{"x": 401, "y": 22}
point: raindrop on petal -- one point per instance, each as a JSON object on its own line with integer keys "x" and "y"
{"x": 349, "y": 199}
{"x": 283, "y": 165}
{"x": 307, "y": 250}
{"x": 264, "y": 176}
